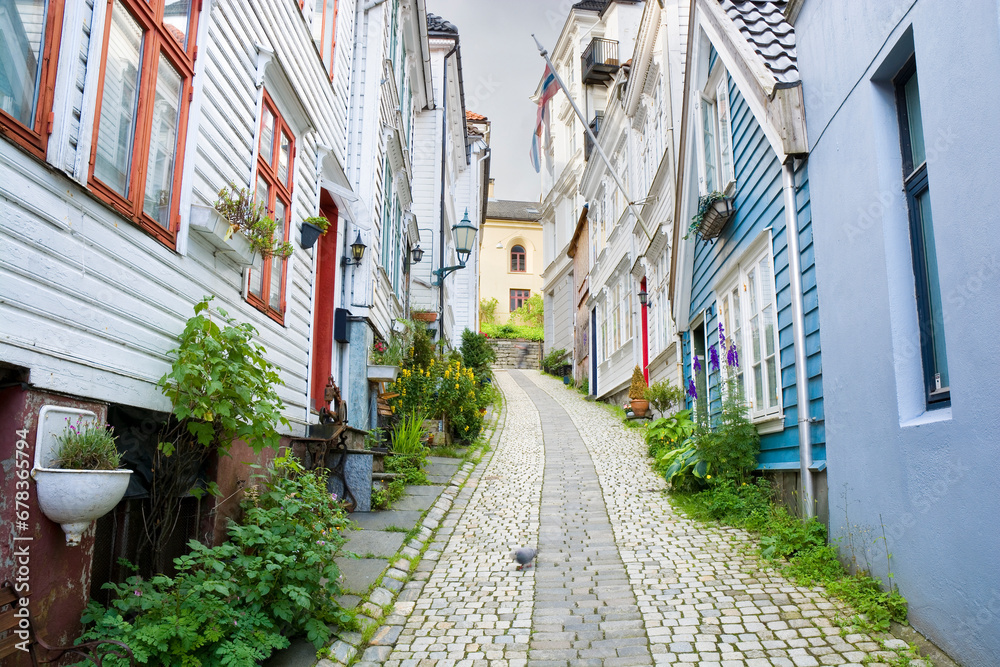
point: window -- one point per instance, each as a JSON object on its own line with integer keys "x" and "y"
{"x": 29, "y": 45}
{"x": 925, "y": 266}
{"x": 142, "y": 103}
{"x": 392, "y": 231}
{"x": 518, "y": 297}
{"x": 274, "y": 187}
{"x": 324, "y": 30}
{"x": 715, "y": 147}
{"x": 517, "y": 257}
{"x": 749, "y": 314}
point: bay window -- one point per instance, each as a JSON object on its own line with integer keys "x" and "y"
{"x": 266, "y": 286}
{"x": 142, "y": 104}
{"x": 29, "y": 50}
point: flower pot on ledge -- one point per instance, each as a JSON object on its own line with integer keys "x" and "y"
{"x": 639, "y": 407}
{"x": 715, "y": 218}
{"x": 379, "y": 373}
{"x": 425, "y": 317}
{"x": 209, "y": 224}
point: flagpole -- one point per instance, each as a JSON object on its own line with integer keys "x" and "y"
{"x": 593, "y": 138}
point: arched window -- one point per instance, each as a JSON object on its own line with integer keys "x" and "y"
{"x": 517, "y": 259}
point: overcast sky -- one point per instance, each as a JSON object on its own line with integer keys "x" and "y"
{"x": 501, "y": 68}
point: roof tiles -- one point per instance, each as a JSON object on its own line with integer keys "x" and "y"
{"x": 436, "y": 24}
{"x": 505, "y": 209}
{"x": 763, "y": 24}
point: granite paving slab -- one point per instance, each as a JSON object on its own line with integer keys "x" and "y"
{"x": 299, "y": 653}
{"x": 424, "y": 490}
{"x": 419, "y": 503}
{"x": 439, "y": 470}
{"x": 376, "y": 542}
{"x": 381, "y": 520}
{"x": 360, "y": 573}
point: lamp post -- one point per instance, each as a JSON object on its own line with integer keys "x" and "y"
{"x": 465, "y": 236}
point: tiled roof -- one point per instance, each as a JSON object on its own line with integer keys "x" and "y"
{"x": 763, "y": 24}
{"x": 436, "y": 24}
{"x": 473, "y": 116}
{"x": 591, "y": 5}
{"x": 505, "y": 209}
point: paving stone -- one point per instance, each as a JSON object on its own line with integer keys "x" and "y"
{"x": 375, "y": 542}
{"x": 360, "y": 573}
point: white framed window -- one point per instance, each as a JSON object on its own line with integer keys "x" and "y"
{"x": 715, "y": 133}
{"x": 748, "y": 312}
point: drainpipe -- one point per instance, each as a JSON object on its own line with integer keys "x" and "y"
{"x": 799, "y": 341}
{"x": 444, "y": 161}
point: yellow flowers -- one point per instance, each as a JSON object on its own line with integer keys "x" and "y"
{"x": 456, "y": 386}
{"x": 708, "y": 477}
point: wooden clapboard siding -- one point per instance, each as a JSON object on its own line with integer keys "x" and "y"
{"x": 759, "y": 205}
{"x": 91, "y": 303}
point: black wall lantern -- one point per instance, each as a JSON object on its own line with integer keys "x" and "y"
{"x": 643, "y": 297}
{"x": 417, "y": 254}
{"x": 357, "y": 251}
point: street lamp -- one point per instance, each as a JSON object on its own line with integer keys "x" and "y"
{"x": 417, "y": 254}
{"x": 643, "y": 297}
{"x": 357, "y": 251}
{"x": 465, "y": 236}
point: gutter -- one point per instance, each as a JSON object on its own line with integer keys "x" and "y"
{"x": 444, "y": 162}
{"x": 428, "y": 71}
{"x": 799, "y": 340}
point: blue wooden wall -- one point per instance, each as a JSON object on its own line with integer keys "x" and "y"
{"x": 759, "y": 204}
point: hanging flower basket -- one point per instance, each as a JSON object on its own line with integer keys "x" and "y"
{"x": 714, "y": 211}
{"x": 425, "y": 317}
{"x": 310, "y": 234}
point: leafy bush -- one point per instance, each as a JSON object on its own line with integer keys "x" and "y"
{"x": 512, "y": 331}
{"x": 731, "y": 448}
{"x": 409, "y": 452}
{"x": 665, "y": 433}
{"x": 87, "y": 446}
{"x": 448, "y": 390}
{"x": 531, "y": 313}
{"x": 553, "y": 360}
{"x": 477, "y": 354}
{"x": 488, "y": 311}
{"x": 584, "y": 387}
{"x": 683, "y": 467}
{"x": 663, "y": 396}
{"x": 233, "y": 604}
{"x": 240, "y": 208}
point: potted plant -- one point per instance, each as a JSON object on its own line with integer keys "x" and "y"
{"x": 637, "y": 392}
{"x": 714, "y": 211}
{"x": 244, "y": 214}
{"x": 80, "y": 480}
{"x": 424, "y": 315}
{"x": 384, "y": 360}
{"x": 312, "y": 229}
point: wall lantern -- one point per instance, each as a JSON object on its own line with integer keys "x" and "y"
{"x": 417, "y": 254}
{"x": 643, "y": 297}
{"x": 357, "y": 251}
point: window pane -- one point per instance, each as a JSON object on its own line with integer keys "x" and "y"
{"x": 267, "y": 136}
{"x": 118, "y": 105}
{"x": 758, "y": 385}
{"x": 257, "y": 276}
{"x": 936, "y": 325}
{"x": 915, "y": 122}
{"x": 284, "y": 150}
{"x": 22, "y": 32}
{"x": 768, "y": 331}
{"x": 163, "y": 143}
{"x": 755, "y": 337}
{"x": 708, "y": 127}
{"x": 772, "y": 382}
{"x": 263, "y": 194}
{"x": 176, "y": 19}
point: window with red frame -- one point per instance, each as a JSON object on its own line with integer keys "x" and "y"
{"x": 324, "y": 29}
{"x": 274, "y": 187}
{"x": 142, "y": 106}
{"x": 517, "y": 259}
{"x": 518, "y": 297}
{"x": 29, "y": 50}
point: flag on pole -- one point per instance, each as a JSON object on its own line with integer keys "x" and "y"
{"x": 550, "y": 86}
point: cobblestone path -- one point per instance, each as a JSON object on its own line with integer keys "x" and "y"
{"x": 620, "y": 579}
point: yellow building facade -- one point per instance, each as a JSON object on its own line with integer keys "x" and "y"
{"x": 510, "y": 257}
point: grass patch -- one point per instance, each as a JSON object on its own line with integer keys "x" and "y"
{"x": 395, "y": 529}
{"x": 509, "y": 331}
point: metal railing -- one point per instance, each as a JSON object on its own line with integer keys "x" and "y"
{"x": 595, "y": 125}
{"x": 600, "y": 60}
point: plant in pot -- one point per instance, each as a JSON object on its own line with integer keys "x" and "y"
{"x": 313, "y": 228}
{"x": 81, "y": 480}
{"x": 250, "y": 217}
{"x": 384, "y": 360}
{"x": 637, "y": 392}
{"x": 424, "y": 315}
{"x": 714, "y": 211}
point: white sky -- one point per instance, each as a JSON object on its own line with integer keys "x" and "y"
{"x": 501, "y": 68}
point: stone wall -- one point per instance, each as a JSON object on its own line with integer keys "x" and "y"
{"x": 509, "y": 354}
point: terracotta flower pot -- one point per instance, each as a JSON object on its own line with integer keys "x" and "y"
{"x": 639, "y": 407}
{"x": 425, "y": 317}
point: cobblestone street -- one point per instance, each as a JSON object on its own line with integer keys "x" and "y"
{"x": 620, "y": 579}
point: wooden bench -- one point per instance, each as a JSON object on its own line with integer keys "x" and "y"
{"x": 16, "y": 635}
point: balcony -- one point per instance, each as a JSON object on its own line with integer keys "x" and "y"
{"x": 595, "y": 125}
{"x": 600, "y": 61}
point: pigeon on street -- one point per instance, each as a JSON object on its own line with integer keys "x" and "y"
{"x": 523, "y": 556}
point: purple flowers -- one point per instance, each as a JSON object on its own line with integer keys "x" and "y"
{"x": 692, "y": 390}
{"x": 713, "y": 358}
{"x": 732, "y": 357}
{"x": 722, "y": 336}
{"x": 696, "y": 365}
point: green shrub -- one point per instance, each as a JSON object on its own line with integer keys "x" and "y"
{"x": 512, "y": 331}
{"x": 531, "y": 313}
{"x": 477, "y": 354}
{"x": 663, "y": 396}
{"x": 488, "y": 311}
{"x": 552, "y": 361}
{"x": 233, "y": 604}
{"x": 87, "y": 446}
{"x": 731, "y": 448}
{"x": 665, "y": 433}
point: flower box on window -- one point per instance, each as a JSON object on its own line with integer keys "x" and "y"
{"x": 215, "y": 230}
{"x": 714, "y": 214}
{"x": 380, "y": 373}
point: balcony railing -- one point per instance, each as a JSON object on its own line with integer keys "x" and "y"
{"x": 595, "y": 125}
{"x": 600, "y": 61}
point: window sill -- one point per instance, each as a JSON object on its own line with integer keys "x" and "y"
{"x": 928, "y": 417}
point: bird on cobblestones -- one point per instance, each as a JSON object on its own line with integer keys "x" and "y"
{"x": 523, "y": 556}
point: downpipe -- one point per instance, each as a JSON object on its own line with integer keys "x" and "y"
{"x": 808, "y": 500}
